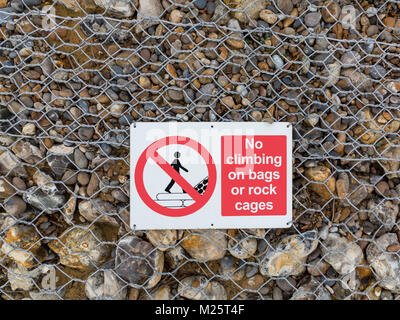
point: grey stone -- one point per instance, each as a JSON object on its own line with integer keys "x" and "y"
{"x": 138, "y": 262}
{"x": 43, "y": 201}
{"x": 15, "y": 205}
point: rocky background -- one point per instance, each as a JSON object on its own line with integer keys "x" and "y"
{"x": 74, "y": 74}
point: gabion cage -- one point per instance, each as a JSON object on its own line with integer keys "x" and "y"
{"x": 74, "y": 74}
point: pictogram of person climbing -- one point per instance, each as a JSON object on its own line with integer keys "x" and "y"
{"x": 176, "y": 164}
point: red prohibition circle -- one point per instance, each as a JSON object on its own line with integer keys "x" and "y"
{"x": 151, "y": 152}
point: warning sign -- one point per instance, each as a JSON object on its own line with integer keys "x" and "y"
{"x": 253, "y": 175}
{"x": 211, "y": 175}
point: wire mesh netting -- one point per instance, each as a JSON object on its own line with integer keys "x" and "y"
{"x": 74, "y": 74}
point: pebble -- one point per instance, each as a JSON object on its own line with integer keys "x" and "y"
{"x": 15, "y": 205}
{"x": 200, "y": 288}
{"x": 98, "y": 210}
{"x": 205, "y": 245}
{"x": 80, "y": 160}
{"x": 343, "y": 255}
{"x": 268, "y": 16}
{"x": 200, "y": 4}
{"x": 105, "y": 285}
{"x": 39, "y": 199}
{"x": 242, "y": 247}
{"x": 131, "y": 266}
{"x": 22, "y": 244}
{"x": 286, "y": 6}
{"x": 289, "y": 255}
{"x": 385, "y": 264}
{"x": 312, "y": 19}
{"x": 162, "y": 239}
{"x": 118, "y": 8}
{"x": 81, "y": 247}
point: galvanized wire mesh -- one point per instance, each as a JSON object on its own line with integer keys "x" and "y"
{"x": 75, "y": 73}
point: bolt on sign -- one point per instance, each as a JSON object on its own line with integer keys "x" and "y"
{"x": 211, "y": 175}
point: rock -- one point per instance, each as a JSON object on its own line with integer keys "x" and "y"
{"x": 27, "y": 152}
{"x": 378, "y": 72}
{"x": 235, "y": 39}
{"x": 390, "y": 151}
{"x": 175, "y": 16}
{"x": 15, "y": 205}
{"x": 76, "y": 5}
{"x": 242, "y": 247}
{"x": 342, "y": 254}
{"x": 175, "y": 257}
{"x": 70, "y": 207}
{"x": 200, "y": 288}
{"x": 44, "y": 182}
{"x": 312, "y": 19}
{"x": 394, "y": 87}
{"x": 286, "y": 6}
{"x": 289, "y": 256}
{"x": 83, "y": 178}
{"x": 150, "y": 9}
{"x": 29, "y": 129}
{"x": 268, "y": 16}
{"x": 98, "y": 210}
{"x": 318, "y": 268}
{"x": 253, "y": 283}
{"x": 342, "y": 186}
{"x": 358, "y": 191}
{"x": 312, "y": 290}
{"x": 21, "y": 278}
{"x": 359, "y": 80}
{"x": 162, "y": 239}
{"x": 58, "y": 164}
{"x": 105, "y": 285}
{"x": 350, "y": 58}
{"x": 278, "y": 62}
{"x": 383, "y": 213}
{"x": 349, "y": 17}
{"x": 200, "y": 4}
{"x": 9, "y": 164}
{"x": 326, "y": 186}
{"x": 80, "y": 160}
{"x": 231, "y": 269}
{"x": 205, "y": 245}
{"x": 332, "y": 73}
{"x": 22, "y": 245}
{"x": 86, "y": 133}
{"x": 5, "y": 15}
{"x": 81, "y": 247}
{"x": 93, "y": 185}
{"x": 59, "y": 158}
{"x": 48, "y": 203}
{"x": 330, "y": 11}
{"x": 162, "y": 293}
{"x": 6, "y": 188}
{"x": 372, "y": 30}
{"x": 385, "y": 264}
{"x": 138, "y": 262}
{"x": 117, "y": 8}
{"x": 117, "y": 109}
{"x": 246, "y": 9}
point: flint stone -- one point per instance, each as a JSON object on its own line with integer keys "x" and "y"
{"x": 138, "y": 262}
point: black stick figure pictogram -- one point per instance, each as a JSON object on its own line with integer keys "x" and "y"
{"x": 176, "y": 164}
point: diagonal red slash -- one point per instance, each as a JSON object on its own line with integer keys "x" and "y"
{"x": 157, "y": 158}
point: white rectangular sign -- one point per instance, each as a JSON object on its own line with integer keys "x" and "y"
{"x": 202, "y": 175}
